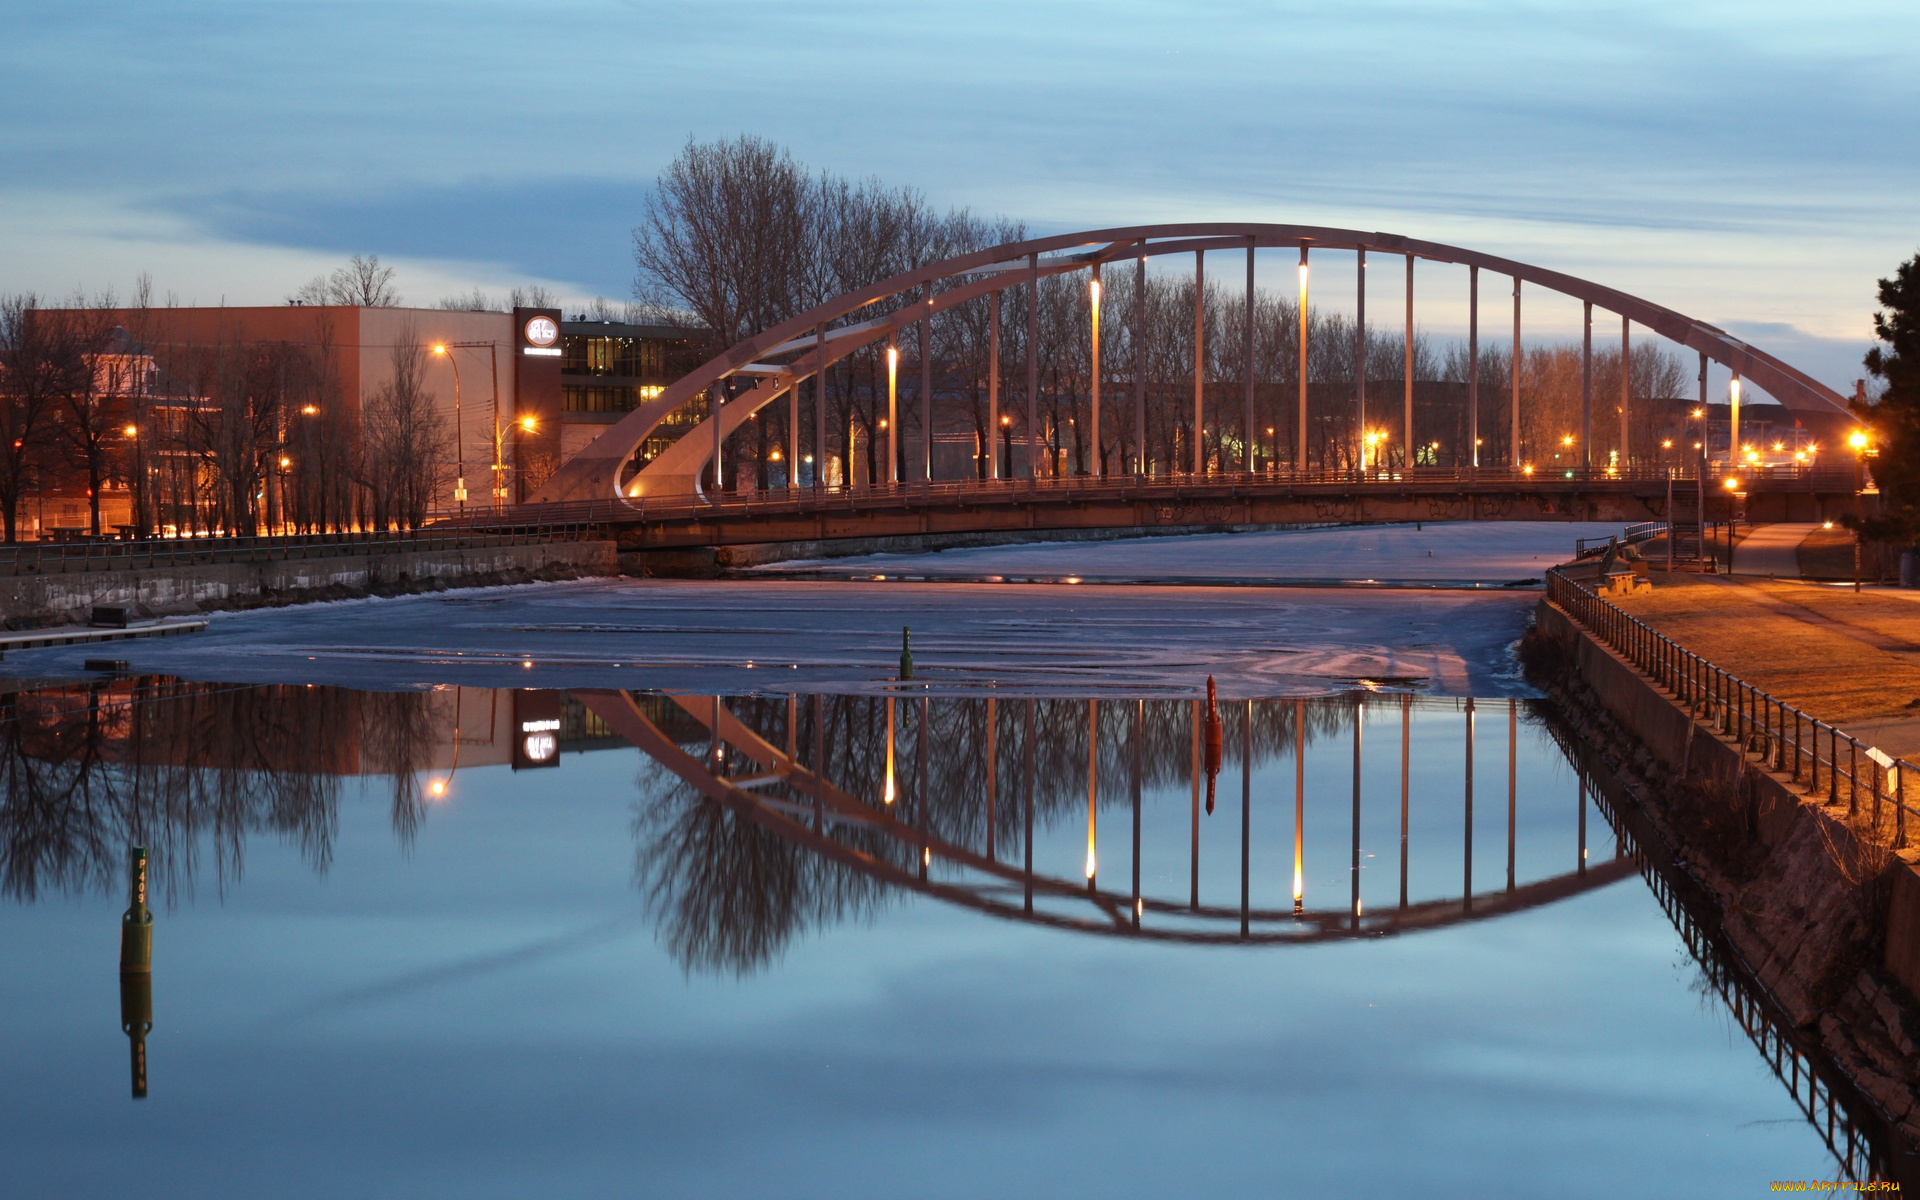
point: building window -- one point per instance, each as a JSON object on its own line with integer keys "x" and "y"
{"x": 629, "y": 356}
{"x": 589, "y": 399}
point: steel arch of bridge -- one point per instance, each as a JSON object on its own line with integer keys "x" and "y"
{"x": 780, "y": 359}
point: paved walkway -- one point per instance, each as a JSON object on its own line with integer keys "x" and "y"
{"x": 1853, "y": 660}
{"x": 1771, "y": 550}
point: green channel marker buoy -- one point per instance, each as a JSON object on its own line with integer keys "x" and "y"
{"x": 136, "y": 926}
{"x": 906, "y": 652}
{"x": 136, "y": 1021}
{"x": 136, "y": 968}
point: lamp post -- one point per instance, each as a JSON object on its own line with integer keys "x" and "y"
{"x": 445, "y": 350}
{"x": 891, "y": 424}
{"x": 134, "y": 495}
{"x": 1857, "y": 440}
{"x": 1093, "y": 304}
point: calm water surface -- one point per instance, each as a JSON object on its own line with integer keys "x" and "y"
{"x": 492, "y": 943}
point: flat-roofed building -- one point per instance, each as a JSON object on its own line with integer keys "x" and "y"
{"x": 251, "y": 419}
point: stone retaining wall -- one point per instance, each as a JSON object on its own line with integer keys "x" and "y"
{"x": 33, "y": 600}
{"x": 1827, "y": 922}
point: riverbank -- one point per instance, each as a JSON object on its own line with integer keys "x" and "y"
{"x": 37, "y": 600}
{"x": 1821, "y": 911}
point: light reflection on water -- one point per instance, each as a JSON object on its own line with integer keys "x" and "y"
{"x": 403, "y": 936}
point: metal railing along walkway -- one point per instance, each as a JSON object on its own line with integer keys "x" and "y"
{"x": 1783, "y": 738}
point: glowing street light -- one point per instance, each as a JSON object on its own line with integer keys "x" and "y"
{"x": 459, "y": 449}
{"x": 893, "y": 384}
{"x": 1858, "y": 440}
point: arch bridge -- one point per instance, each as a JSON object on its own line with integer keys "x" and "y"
{"x": 1023, "y": 489}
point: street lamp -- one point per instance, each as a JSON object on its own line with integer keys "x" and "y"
{"x": 1858, "y": 440}
{"x": 445, "y": 350}
{"x": 459, "y": 444}
{"x": 893, "y": 381}
{"x": 1093, "y": 304}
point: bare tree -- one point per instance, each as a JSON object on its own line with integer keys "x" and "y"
{"x": 95, "y": 399}
{"x": 37, "y": 367}
{"x": 725, "y": 235}
{"x": 362, "y": 283}
{"x": 474, "y": 301}
{"x": 406, "y": 444}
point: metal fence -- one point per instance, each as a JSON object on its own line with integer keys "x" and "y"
{"x": 1633, "y": 535}
{"x": 53, "y": 558}
{"x": 1782, "y": 737}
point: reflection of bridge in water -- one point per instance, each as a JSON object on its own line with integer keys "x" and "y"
{"x": 897, "y": 843}
{"x": 769, "y": 814}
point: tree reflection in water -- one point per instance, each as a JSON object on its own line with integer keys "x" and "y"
{"x": 189, "y": 770}
{"x": 737, "y": 852}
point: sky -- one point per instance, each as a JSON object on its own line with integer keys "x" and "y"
{"x": 1753, "y": 165}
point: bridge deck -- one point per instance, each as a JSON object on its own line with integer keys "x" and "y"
{"x": 1259, "y": 498}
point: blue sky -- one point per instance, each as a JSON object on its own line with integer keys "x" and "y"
{"x": 1750, "y": 164}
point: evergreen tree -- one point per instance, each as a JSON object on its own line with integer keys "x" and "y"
{"x": 1895, "y": 416}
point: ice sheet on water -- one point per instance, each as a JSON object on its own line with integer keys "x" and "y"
{"x": 1484, "y": 551}
{"x": 783, "y": 635}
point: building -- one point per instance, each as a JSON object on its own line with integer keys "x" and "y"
{"x": 609, "y": 368}
{"x": 258, "y": 419}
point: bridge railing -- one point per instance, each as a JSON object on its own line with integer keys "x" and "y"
{"x": 1068, "y": 488}
{"x": 1633, "y": 535}
{"x": 1809, "y": 751}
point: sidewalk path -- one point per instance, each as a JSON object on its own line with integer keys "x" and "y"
{"x": 1770, "y": 550}
{"x": 1852, "y": 660}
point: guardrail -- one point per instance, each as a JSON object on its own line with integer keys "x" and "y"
{"x": 1784, "y": 738}
{"x": 1633, "y": 535}
{"x": 1069, "y": 488}
{"x": 44, "y": 558}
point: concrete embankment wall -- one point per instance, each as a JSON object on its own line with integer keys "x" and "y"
{"x": 27, "y": 600}
{"x": 1828, "y": 922}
